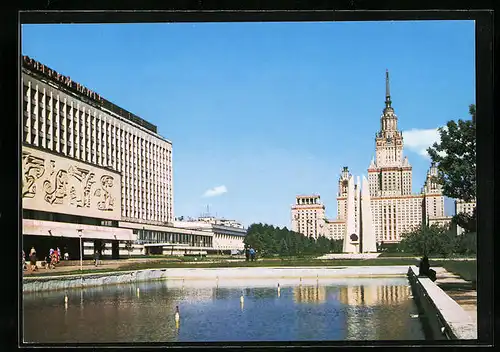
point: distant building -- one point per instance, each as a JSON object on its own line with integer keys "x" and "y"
{"x": 444, "y": 221}
{"x": 463, "y": 207}
{"x": 227, "y": 235}
{"x": 395, "y": 210}
{"x": 219, "y": 221}
{"x": 308, "y": 216}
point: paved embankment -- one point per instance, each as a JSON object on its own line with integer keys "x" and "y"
{"x": 43, "y": 283}
{"x": 460, "y": 290}
{"x": 445, "y": 317}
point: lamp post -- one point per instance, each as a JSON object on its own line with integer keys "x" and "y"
{"x": 81, "y": 250}
{"x": 201, "y": 243}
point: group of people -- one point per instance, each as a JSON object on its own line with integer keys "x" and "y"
{"x": 250, "y": 253}
{"x": 32, "y": 263}
{"x": 51, "y": 260}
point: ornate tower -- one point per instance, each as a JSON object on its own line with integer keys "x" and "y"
{"x": 342, "y": 193}
{"x": 389, "y": 140}
{"x": 390, "y": 173}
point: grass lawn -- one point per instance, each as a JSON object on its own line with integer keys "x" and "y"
{"x": 275, "y": 262}
{"x": 402, "y": 255}
{"x": 395, "y": 255}
{"x": 467, "y": 270}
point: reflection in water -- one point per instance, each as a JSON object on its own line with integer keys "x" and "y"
{"x": 369, "y": 296}
{"x": 309, "y": 294}
{"x": 370, "y": 310}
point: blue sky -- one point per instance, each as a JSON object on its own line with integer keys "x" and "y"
{"x": 261, "y": 112}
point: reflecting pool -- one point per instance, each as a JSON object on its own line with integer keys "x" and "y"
{"x": 335, "y": 309}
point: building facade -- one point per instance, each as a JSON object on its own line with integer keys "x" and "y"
{"x": 308, "y": 216}
{"x": 466, "y": 208}
{"x": 227, "y": 235}
{"x": 63, "y": 117}
{"x": 92, "y": 171}
{"x": 395, "y": 209}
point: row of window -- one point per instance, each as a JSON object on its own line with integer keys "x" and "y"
{"x": 149, "y": 236}
{"x": 100, "y": 124}
{"x": 90, "y": 144}
{"x": 71, "y": 145}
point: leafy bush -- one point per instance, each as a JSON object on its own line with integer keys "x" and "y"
{"x": 467, "y": 243}
{"x": 429, "y": 240}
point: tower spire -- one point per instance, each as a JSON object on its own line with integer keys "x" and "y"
{"x": 387, "y": 90}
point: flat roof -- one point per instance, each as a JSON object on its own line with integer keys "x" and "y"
{"x": 89, "y": 96}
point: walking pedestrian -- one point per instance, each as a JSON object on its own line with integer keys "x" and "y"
{"x": 252, "y": 254}
{"x": 53, "y": 260}
{"x": 33, "y": 259}
{"x": 24, "y": 260}
{"x": 96, "y": 258}
{"x": 58, "y": 255}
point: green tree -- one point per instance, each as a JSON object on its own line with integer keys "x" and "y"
{"x": 455, "y": 158}
{"x": 467, "y": 243}
{"x": 447, "y": 243}
{"x": 269, "y": 240}
{"x": 424, "y": 240}
{"x": 323, "y": 245}
{"x": 336, "y": 246}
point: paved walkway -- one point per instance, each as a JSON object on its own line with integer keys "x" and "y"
{"x": 459, "y": 290}
{"x": 74, "y": 265}
{"x": 66, "y": 268}
{"x": 108, "y": 264}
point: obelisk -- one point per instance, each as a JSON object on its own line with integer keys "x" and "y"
{"x": 349, "y": 247}
{"x": 368, "y": 239}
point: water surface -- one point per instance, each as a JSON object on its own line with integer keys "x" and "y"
{"x": 347, "y": 309}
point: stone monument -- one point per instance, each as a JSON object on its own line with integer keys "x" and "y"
{"x": 351, "y": 238}
{"x": 360, "y": 235}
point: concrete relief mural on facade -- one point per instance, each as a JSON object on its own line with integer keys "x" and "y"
{"x": 107, "y": 201}
{"x": 80, "y": 192}
{"x": 33, "y": 169}
{"x": 56, "y": 191}
{"x": 60, "y": 184}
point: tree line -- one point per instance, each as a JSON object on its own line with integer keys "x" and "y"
{"x": 270, "y": 241}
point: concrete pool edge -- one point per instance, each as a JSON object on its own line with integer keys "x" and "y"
{"x": 50, "y": 283}
{"x": 446, "y": 318}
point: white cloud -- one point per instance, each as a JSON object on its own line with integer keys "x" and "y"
{"x": 418, "y": 140}
{"x": 216, "y": 191}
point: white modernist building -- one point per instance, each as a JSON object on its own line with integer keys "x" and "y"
{"x": 226, "y": 235}
{"x": 394, "y": 209}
